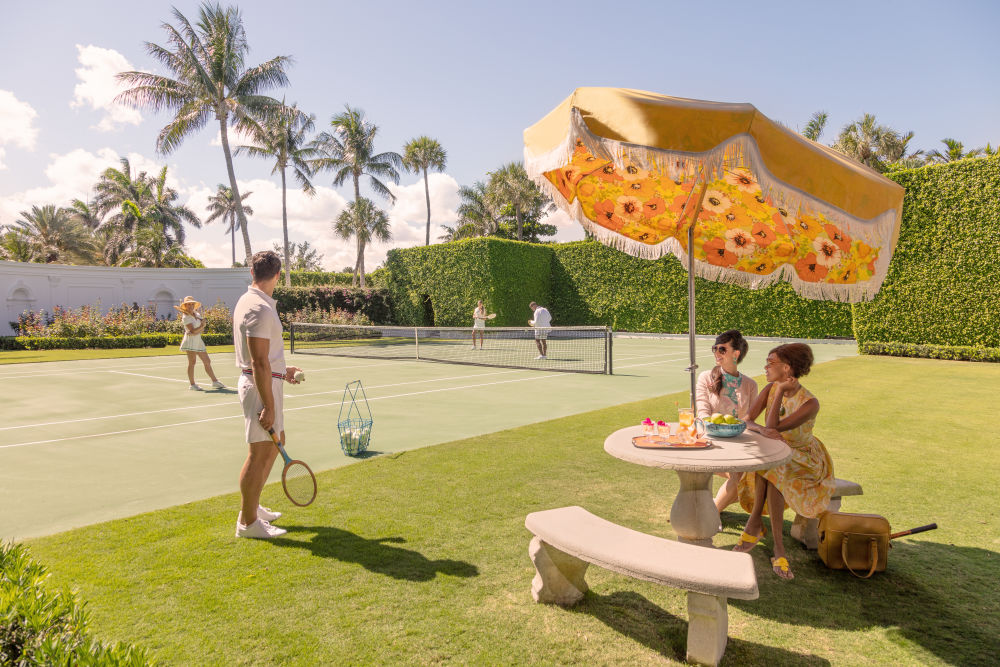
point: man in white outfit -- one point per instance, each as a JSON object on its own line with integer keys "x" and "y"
{"x": 260, "y": 354}
{"x": 542, "y": 324}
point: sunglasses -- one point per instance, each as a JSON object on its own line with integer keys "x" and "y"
{"x": 721, "y": 349}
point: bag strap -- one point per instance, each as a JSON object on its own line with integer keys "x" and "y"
{"x": 872, "y": 555}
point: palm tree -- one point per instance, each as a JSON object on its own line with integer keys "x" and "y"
{"x": 989, "y": 151}
{"x": 210, "y": 77}
{"x": 459, "y": 231}
{"x": 364, "y": 221}
{"x": 874, "y": 145}
{"x": 815, "y": 126}
{"x": 477, "y": 210}
{"x": 164, "y": 209}
{"x": 419, "y": 155}
{"x": 85, "y": 214}
{"x": 14, "y": 246}
{"x": 283, "y": 139}
{"x": 153, "y": 249}
{"x": 511, "y": 186}
{"x": 304, "y": 257}
{"x": 52, "y": 236}
{"x": 349, "y": 151}
{"x": 955, "y": 151}
{"x": 222, "y": 206}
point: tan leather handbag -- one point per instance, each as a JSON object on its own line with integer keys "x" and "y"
{"x": 858, "y": 543}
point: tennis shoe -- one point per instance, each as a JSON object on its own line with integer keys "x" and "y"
{"x": 217, "y": 385}
{"x": 259, "y": 529}
{"x": 265, "y": 513}
{"x": 194, "y": 387}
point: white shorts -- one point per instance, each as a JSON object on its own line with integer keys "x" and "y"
{"x": 479, "y": 324}
{"x": 252, "y": 405}
{"x": 542, "y": 333}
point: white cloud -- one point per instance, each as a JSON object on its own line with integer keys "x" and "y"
{"x": 567, "y": 229}
{"x": 16, "y": 124}
{"x": 409, "y": 214}
{"x": 98, "y": 87}
{"x": 236, "y": 138}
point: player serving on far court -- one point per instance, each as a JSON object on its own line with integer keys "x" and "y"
{"x": 542, "y": 324}
{"x": 479, "y": 318}
{"x": 260, "y": 354}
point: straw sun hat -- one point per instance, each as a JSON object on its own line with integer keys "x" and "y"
{"x": 188, "y": 305}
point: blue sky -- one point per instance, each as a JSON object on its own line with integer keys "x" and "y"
{"x": 474, "y": 75}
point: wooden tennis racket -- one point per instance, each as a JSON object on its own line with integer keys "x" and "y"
{"x": 297, "y": 479}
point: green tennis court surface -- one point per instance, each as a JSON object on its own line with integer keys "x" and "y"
{"x": 86, "y": 441}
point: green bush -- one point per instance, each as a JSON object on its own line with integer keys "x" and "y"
{"x": 596, "y": 285}
{"x": 439, "y": 285}
{"x": 41, "y": 627}
{"x": 372, "y": 303}
{"x": 953, "y": 352}
{"x": 101, "y": 342}
{"x": 311, "y": 278}
{"x": 943, "y": 284}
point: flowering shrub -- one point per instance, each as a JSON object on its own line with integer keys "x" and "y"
{"x": 123, "y": 320}
{"x": 316, "y": 315}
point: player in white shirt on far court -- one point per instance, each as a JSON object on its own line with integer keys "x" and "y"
{"x": 542, "y": 323}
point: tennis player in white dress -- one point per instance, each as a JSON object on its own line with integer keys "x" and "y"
{"x": 479, "y": 318}
{"x": 194, "y": 323}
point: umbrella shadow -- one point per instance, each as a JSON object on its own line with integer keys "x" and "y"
{"x": 910, "y": 599}
{"x": 376, "y": 555}
{"x": 636, "y": 617}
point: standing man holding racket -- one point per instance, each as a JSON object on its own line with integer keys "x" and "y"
{"x": 542, "y": 323}
{"x": 260, "y": 354}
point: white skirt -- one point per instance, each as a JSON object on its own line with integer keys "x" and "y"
{"x": 193, "y": 343}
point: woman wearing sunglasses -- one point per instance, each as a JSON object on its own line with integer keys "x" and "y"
{"x": 727, "y": 391}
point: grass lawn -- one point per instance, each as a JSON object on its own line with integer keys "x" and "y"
{"x": 421, "y": 556}
{"x": 34, "y": 356}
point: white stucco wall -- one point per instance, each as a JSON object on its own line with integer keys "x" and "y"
{"x": 43, "y": 286}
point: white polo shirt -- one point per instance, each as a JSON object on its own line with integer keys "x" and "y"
{"x": 256, "y": 315}
{"x": 542, "y": 318}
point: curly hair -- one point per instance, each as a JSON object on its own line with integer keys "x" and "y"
{"x": 265, "y": 265}
{"x": 798, "y": 356}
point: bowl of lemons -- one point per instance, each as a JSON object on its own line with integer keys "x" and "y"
{"x": 724, "y": 426}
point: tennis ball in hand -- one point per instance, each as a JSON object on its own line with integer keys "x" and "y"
{"x": 299, "y": 376}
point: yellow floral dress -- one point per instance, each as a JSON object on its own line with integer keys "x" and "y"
{"x": 806, "y": 480}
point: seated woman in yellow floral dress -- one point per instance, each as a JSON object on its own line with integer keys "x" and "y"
{"x": 805, "y": 482}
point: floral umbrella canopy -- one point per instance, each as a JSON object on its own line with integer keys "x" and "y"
{"x": 756, "y": 203}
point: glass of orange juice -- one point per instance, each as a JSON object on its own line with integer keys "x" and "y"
{"x": 685, "y": 421}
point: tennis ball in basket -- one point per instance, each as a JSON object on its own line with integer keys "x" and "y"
{"x": 299, "y": 376}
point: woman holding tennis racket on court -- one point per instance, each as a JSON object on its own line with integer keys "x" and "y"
{"x": 194, "y": 323}
{"x": 479, "y": 318}
{"x": 260, "y": 354}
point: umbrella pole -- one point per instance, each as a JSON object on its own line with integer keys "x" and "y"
{"x": 693, "y": 368}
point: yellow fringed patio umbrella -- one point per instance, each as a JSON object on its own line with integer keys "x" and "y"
{"x": 651, "y": 175}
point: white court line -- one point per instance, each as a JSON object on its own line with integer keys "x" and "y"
{"x": 231, "y": 403}
{"x": 307, "y": 407}
{"x": 141, "y": 375}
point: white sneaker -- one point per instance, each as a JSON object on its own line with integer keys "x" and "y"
{"x": 264, "y": 513}
{"x": 259, "y": 529}
{"x": 194, "y": 387}
{"x": 217, "y": 385}
{"x": 539, "y": 357}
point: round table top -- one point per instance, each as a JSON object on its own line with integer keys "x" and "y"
{"x": 748, "y": 451}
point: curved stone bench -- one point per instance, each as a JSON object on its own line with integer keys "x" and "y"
{"x": 806, "y": 530}
{"x": 568, "y": 539}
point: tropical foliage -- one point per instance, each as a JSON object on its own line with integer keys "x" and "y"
{"x": 954, "y": 150}
{"x": 419, "y": 155}
{"x": 222, "y": 206}
{"x": 303, "y": 257}
{"x": 508, "y": 205}
{"x": 364, "y": 222}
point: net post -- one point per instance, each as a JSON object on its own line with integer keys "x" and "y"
{"x": 609, "y": 359}
{"x": 291, "y": 337}
{"x": 416, "y": 342}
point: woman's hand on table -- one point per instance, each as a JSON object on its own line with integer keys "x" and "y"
{"x": 772, "y": 433}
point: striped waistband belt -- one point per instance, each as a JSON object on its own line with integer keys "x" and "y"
{"x": 280, "y": 376}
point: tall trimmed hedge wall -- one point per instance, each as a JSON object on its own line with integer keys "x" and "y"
{"x": 586, "y": 283}
{"x": 595, "y": 284}
{"x": 943, "y": 285}
{"x": 439, "y": 285}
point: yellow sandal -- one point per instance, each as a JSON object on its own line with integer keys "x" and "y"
{"x": 783, "y": 571}
{"x": 747, "y": 538}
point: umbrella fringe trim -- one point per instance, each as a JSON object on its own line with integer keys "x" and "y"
{"x": 738, "y": 150}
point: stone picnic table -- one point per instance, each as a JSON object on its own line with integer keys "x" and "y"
{"x": 693, "y": 515}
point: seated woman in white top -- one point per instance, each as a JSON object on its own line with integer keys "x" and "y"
{"x": 727, "y": 391}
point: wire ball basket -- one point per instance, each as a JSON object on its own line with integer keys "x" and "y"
{"x": 354, "y": 423}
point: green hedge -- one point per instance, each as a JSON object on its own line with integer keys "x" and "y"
{"x": 42, "y": 627}
{"x": 953, "y": 352}
{"x": 595, "y": 284}
{"x": 105, "y": 342}
{"x": 943, "y": 285}
{"x": 440, "y": 284}
{"x": 311, "y": 278}
{"x": 373, "y": 303}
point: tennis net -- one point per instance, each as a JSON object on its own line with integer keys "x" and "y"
{"x": 572, "y": 349}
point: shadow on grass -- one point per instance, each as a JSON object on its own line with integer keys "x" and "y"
{"x": 938, "y": 596}
{"x": 375, "y": 555}
{"x": 635, "y": 616}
